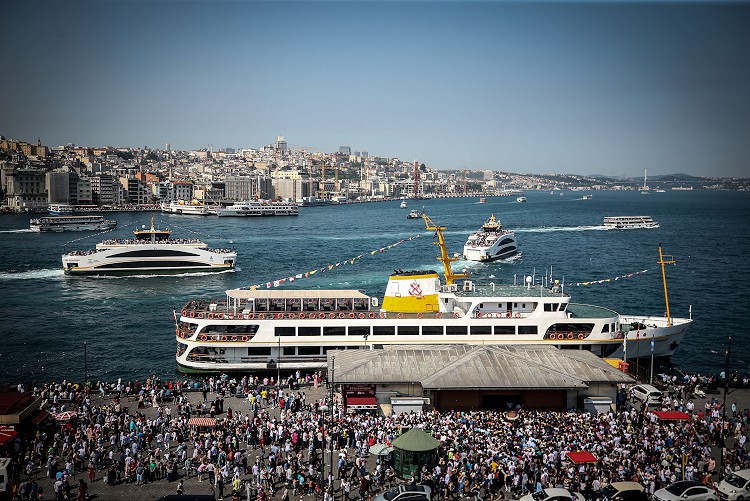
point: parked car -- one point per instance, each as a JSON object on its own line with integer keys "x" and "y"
{"x": 624, "y": 491}
{"x": 417, "y": 492}
{"x": 686, "y": 490}
{"x": 735, "y": 486}
{"x": 646, "y": 394}
{"x": 553, "y": 494}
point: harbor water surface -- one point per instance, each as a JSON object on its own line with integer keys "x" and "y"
{"x": 127, "y": 322}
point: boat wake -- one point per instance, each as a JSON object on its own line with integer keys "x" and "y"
{"x": 32, "y": 274}
{"x": 550, "y": 229}
{"x": 21, "y": 230}
{"x": 162, "y": 275}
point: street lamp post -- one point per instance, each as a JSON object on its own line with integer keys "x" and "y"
{"x": 330, "y": 426}
{"x": 365, "y": 336}
{"x": 278, "y": 366}
{"x": 724, "y": 409}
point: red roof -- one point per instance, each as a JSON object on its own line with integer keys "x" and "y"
{"x": 361, "y": 402}
{"x": 582, "y": 457}
{"x": 672, "y": 415}
{"x": 7, "y": 434}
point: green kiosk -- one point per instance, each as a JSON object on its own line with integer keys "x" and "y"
{"x": 412, "y": 450}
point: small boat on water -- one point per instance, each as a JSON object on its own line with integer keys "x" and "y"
{"x": 150, "y": 251}
{"x": 72, "y": 223}
{"x": 630, "y": 222}
{"x": 521, "y": 199}
{"x": 490, "y": 242}
{"x": 403, "y": 204}
{"x": 60, "y": 209}
{"x": 482, "y": 200}
{"x": 257, "y": 208}
{"x": 415, "y": 214}
{"x": 192, "y": 208}
{"x": 587, "y": 197}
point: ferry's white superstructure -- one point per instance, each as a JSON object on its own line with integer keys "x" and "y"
{"x": 151, "y": 251}
{"x": 630, "y": 222}
{"x": 72, "y": 223}
{"x": 187, "y": 208}
{"x": 259, "y": 209}
{"x": 290, "y": 329}
{"x": 490, "y": 242}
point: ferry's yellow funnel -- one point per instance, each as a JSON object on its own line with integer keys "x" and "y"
{"x": 412, "y": 292}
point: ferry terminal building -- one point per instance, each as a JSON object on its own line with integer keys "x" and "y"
{"x": 399, "y": 379}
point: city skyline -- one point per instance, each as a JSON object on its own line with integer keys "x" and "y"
{"x": 586, "y": 88}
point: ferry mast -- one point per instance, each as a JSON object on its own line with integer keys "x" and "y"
{"x": 450, "y": 277}
{"x": 662, "y": 261}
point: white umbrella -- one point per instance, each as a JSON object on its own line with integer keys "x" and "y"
{"x": 380, "y": 450}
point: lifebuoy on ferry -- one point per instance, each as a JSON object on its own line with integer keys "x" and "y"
{"x": 361, "y": 315}
{"x": 420, "y": 315}
{"x": 262, "y": 316}
{"x": 581, "y": 335}
{"x": 479, "y": 314}
{"x": 200, "y": 315}
{"x": 220, "y": 316}
{"x": 184, "y": 312}
{"x": 302, "y": 316}
{"x": 570, "y": 335}
{"x": 323, "y": 315}
{"x": 223, "y": 338}
{"x": 210, "y": 316}
{"x": 439, "y": 314}
{"x": 292, "y": 315}
{"x": 202, "y": 337}
{"x": 279, "y": 315}
{"x": 245, "y": 338}
{"x": 400, "y": 315}
{"x": 371, "y": 314}
{"x": 456, "y": 315}
{"x": 230, "y": 316}
{"x": 249, "y": 316}
{"x": 382, "y": 315}
{"x": 508, "y": 315}
{"x": 341, "y": 315}
{"x": 234, "y": 338}
{"x": 552, "y": 336}
{"x": 352, "y": 315}
{"x": 192, "y": 314}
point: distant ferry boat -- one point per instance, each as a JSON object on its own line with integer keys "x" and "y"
{"x": 415, "y": 214}
{"x": 482, "y": 200}
{"x": 682, "y": 188}
{"x": 403, "y": 204}
{"x": 60, "y": 209}
{"x": 258, "y": 209}
{"x": 521, "y": 199}
{"x": 254, "y": 329}
{"x": 490, "y": 242}
{"x": 72, "y": 223}
{"x": 630, "y": 222}
{"x": 587, "y": 197}
{"x": 187, "y": 208}
{"x": 151, "y": 251}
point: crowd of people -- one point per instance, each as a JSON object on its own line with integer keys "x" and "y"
{"x": 272, "y": 441}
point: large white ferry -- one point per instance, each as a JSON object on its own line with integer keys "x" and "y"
{"x": 192, "y": 208}
{"x": 630, "y": 222}
{"x": 151, "y": 251}
{"x": 72, "y": 223}
{"x": 290, "y": 329}
{"x": 490, "y": 242}
{"x": 259, "y": 209}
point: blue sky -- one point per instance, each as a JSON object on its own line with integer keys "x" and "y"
{"x": 605, "y": 88}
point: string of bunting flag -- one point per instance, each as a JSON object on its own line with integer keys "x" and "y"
{"x": 614, "y": 279}
{"x": 323, "y": 269}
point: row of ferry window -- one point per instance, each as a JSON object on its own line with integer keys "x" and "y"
{"x": 407, "y": 330}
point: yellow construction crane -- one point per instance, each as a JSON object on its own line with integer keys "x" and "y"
{"x": 662, "y": 261}
{"x": 450, "y": 277}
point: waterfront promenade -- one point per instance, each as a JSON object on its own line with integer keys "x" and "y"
{"x": 480, "y": 451}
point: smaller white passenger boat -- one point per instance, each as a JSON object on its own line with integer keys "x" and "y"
{"x": 192, "y": 208}
{"x": 72, "y": 223}
{"x": 415, "y": 214}
{"x": 490, "y": 242}
{"x": 521, "y": 199}
{"x": 482, "y": 200}
{"x": 60, "y": 209}
{"x": 256, "y": 208}
{"x": 587, "y": 197}
{"x": 403, "y": 204}
{"x": 630, "y": 222}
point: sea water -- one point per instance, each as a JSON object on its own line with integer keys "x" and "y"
{"x": 127, "y": 323}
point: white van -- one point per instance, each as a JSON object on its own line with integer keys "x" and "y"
{"x": 646, "y": 394}
{"x": 735, "y": 486}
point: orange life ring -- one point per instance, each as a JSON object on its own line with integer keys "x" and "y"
{"x": 210, "y": 316}
{"x": 220, "y": 316}
{"x": 518, "y": 314}
{"x": 581, "y": 335}
{"x": 456, "y": 315}
{"x": 420, "y": 315}
{"x": 479, "y": 314}
{"x": 234, "y": 338}
{"x": 262, "y": 316}
{"x": 184, "y": 312}
{"x": 352, "y": 315}
{"x": 202, "y": 337}
{"x": 382, "y": 315}
{"x": 400, "y": 315}
{"x": 361, "y": 315}
{"x": 200, "y": 315}
{"x": 323, "y": 315}
{"x": 508, "y": 315}
{"x": 371, "y": 314}
{"x": 302, "y": 316}
{"x": 230, "y": 317}
{"x": 570, "y": 335}
{"x": 439, "y": 314}
{"x": 192, "y": 314}
{"x": 279, "y": 315}
{"x": 245, "y": 338}
{"x": 292, "y": 315}
{"x": 250, "y": 316}
{"x": 223, "y": 338}
{"x": 341, "y": 315}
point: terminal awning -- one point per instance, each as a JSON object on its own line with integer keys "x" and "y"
{"x": 357, "y": 403}
{"x": 7, "y": 434}
{"x": 581, "y": 457}
{"x": 672, "y": 415}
